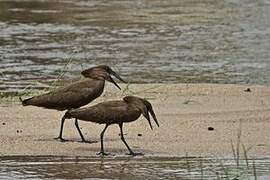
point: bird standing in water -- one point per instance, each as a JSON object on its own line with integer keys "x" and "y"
{"x": 115, "y": 112}
{"x": 76, "y": 94}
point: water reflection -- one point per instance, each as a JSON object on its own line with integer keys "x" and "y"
{"x": 129, "y": 168}
{"x": 151, "y": 41}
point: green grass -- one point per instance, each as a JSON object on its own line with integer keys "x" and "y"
{"x": 240, "y": 167}
{"x": 240, "y": 155}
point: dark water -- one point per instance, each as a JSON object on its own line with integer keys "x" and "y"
{"x": 55, "y": 167}
{"x": 225, "y": 41}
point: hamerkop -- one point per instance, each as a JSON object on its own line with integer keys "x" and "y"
{"x": 115, "y": 112}
{"x": 76, "y": 94}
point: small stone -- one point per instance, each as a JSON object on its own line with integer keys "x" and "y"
{"x": 139, "y": 134}
{"x": 18, "y": 131}
{"x": 247, "y": 90}
{"x": 4, "y": 123}
{"x": 210, "y": 129}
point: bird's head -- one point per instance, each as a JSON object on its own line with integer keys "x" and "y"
{"x": 102, "y": 72}
{"x": 144, "y": 106}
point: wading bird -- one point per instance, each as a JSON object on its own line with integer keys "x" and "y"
{"x": 76, "y": 94}
{"x": 115, "y": 112}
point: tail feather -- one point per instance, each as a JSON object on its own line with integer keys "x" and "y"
{"x": 24, "y": 102}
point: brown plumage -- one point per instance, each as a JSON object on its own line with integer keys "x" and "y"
{"x": 115, "y": 112}
{"x": 76, "y": 94}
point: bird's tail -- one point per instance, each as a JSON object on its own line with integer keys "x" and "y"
{"x": 24, "y": 102}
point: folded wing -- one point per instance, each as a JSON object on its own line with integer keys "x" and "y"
{"x": 104, "y": 113}
{"x": 72, "y": 96}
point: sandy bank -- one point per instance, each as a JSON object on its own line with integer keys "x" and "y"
{"x": 184, "y": 111}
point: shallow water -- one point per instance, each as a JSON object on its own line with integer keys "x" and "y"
{"x": 57, "y": 167}
{"x": 171, "y": 41}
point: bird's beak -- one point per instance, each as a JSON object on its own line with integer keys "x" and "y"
{"x": 112, "y": 81}
{"x": 153, "y": 116}
{"x": 146, "y": 115}
{"x": 150, "y": 109}
{"x": 116, "y": 75}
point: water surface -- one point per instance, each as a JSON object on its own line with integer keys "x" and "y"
{"x": 58, "y": 167}
{"x": 171, "y": 41}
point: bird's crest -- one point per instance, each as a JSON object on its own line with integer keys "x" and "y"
{"x": 102, "y": 72}
{"x": 144, "y": 106}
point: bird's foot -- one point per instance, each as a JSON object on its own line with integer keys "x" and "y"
{"x": 60, "y": 139}
{"x": 102, "y": 153}
{"x": 90, "y": 142}
{"x": 131, "y": 153}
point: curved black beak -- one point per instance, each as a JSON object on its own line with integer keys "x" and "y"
{"x": 116, "y": 75}
{"x": 153, "y": 115}
{"x": 112, "y": 81}
{"x": 150, "y": 109}
{"x": 146, "y": 115}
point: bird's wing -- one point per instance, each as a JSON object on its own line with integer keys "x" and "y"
{"x": 106, "y": 112}
{"x": 72, "y": 96}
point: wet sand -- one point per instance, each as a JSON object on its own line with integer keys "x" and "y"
{"x": 185, "y": 113}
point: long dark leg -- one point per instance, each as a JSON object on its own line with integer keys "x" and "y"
{"x": 101, "y": 141}
{"x": 78, "y": 128}
{"x": 61, "y": 130}
{"x": 123, "y": 139}
{"x": 80, "y": 132}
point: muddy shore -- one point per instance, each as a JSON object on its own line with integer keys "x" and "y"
{"x": 195, "y": 119}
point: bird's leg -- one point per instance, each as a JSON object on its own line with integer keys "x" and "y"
{"x": 78, "y": 128}
{"x": 123, "y": 139}
{"x": 102, "y": 153}
{"x": 61, "y": 130}
{"x": 80, "y": 132}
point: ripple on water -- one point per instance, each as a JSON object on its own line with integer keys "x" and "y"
{"x": 124, "y": 167}
{"x": 150, "y": 41}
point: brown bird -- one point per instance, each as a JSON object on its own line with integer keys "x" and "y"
{"x": 76, "y": 94}
{"x": 115, "y": 112}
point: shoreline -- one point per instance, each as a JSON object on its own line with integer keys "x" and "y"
{"x": 185, "y": 113}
